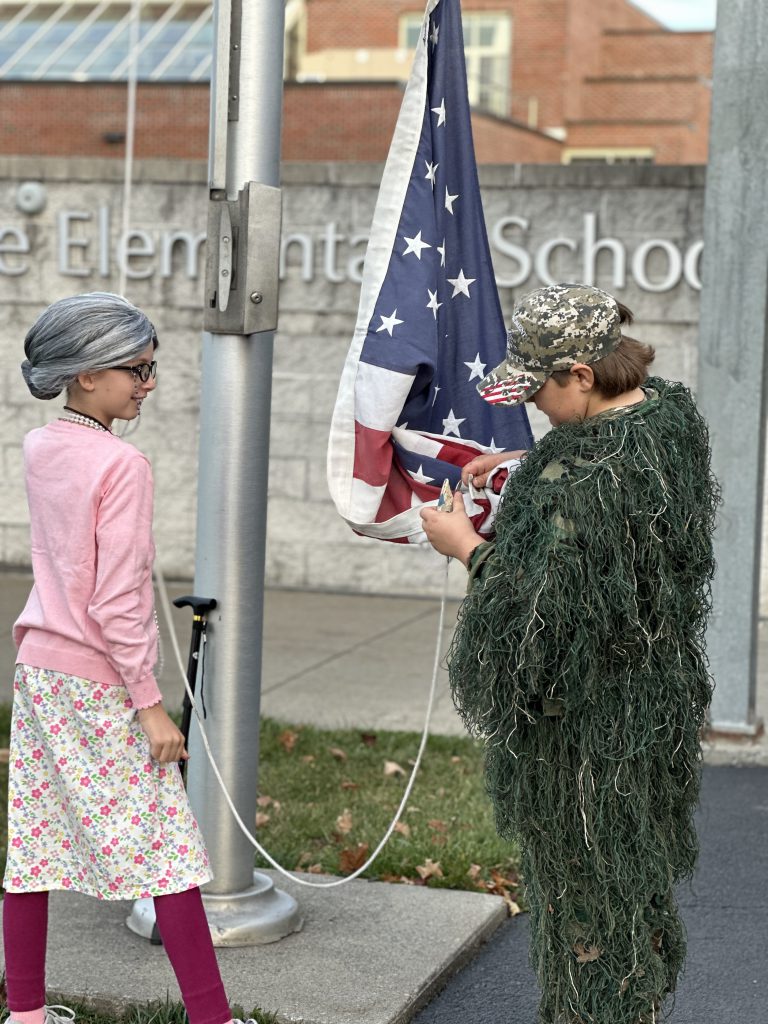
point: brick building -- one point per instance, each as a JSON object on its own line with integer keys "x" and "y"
{"x": 599, "y": 77}
{"x": 550, "y": 80}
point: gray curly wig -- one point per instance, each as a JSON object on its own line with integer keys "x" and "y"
{"x": 80, "y": 334}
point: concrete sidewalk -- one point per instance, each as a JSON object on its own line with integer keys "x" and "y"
{"x": 348, "y": 660}
{"x": 369, "y": 953}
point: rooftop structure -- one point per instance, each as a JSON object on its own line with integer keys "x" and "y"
{"x": 549, "y": 80}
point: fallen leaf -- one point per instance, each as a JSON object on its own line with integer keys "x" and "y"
{"x": 393, "y": 768}
{"x": 261, "y": 819}
{"x": 413, "y": 810}
{"x": 438, "y": 839}
{"x": 505, "y": 881}
{"x": 455, "y": 759}
{"x": 500, "y": 885}
{"x": 315, "y": 869}
{"x": 351, "y": 858}
{"x": 276, "y": 805}
{"x": 369, "y": 738}
{"x": 437, "y": 825}
{"x": 586, "y": 952}
{"x": 346, "y": 784}
{"x": 304, "y": 858}
{"x": 264, "y": 801}
{"x": 337, "y": 753}
{"x": 308, "y": 758}
{"x": 403, "y": 829}
{"x": 344, "y": 821}
{"x": 287, "y": 740}
{"x": 5, "y": 755}
{"x": 474, "y": 871}
{"x": 430, "y": 869}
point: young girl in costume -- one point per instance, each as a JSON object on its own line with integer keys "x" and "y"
{"x": 579, "y": 652}
{"x": 95, "y": 800}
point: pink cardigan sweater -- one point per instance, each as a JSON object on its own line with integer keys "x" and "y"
{"x": 91, "y": 609}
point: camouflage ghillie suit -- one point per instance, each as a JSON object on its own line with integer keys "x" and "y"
{"x": 578, "y": 657}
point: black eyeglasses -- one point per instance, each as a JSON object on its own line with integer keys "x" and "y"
{"x": 141, "y": 370}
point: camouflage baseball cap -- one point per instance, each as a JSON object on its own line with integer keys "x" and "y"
{"x": 552, "y": 329}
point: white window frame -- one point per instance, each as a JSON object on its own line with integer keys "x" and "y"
{"x": 473, "y": 54}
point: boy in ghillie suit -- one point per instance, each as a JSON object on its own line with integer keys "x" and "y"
{"x": 579, "y": 651}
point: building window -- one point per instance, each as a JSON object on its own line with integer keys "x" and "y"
{"x": 608, "y": 156}
{"x": 90, "y": 41}
{"x": 487, "y": 49}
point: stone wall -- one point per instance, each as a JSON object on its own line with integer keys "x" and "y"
{"x": 633, "y": 230}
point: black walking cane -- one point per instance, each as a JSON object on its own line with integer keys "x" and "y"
{"x": 200, "y": 606}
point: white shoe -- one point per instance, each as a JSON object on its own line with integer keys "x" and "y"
{"x": 52, "y": 1016}
{"x": 236, "y": 1020}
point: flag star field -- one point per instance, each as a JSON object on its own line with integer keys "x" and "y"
{"x": 436, "y": 322}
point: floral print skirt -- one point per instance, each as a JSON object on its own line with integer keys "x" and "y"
{"x": 88, "y": 808}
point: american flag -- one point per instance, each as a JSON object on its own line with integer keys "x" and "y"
{"x": 429, "y": 325}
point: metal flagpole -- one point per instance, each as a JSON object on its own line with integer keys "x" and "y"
{"x": 240, "y": 316}
{"x": 732, "y": 349}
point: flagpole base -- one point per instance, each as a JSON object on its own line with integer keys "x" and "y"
{"x": 254, "y": 917}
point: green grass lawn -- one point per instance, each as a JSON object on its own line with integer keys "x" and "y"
{"x": 326, "y": 798}
{"x": 149, "y": 1013}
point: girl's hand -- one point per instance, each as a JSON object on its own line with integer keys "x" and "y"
{"x": 481, "y": 466}
{"x": 451, "y": 533}
{"x": 166, "y": 741}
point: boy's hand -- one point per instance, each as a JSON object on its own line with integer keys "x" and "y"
{"x": 451, "y": 533}
{"x": 166, "y": 741}
{"x": 481, "y": 466}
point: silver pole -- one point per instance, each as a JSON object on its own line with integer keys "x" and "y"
{"x": 733, "y": 336}
{"x": 242, "y": 908}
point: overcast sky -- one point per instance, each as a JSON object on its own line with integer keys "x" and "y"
{"x": 681, "y": 14}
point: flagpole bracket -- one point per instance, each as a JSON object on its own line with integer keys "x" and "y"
{"x": 242, "y": 260}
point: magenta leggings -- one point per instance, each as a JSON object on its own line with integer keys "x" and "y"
{"x": 182, "y": 925}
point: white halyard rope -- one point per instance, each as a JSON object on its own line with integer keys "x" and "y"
{"x": 164, "y": 601}
{"x": 130, "y": 135}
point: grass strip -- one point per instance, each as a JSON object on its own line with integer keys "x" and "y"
{"x": 326, "y": 798}
{"x": 157, "y": 1012}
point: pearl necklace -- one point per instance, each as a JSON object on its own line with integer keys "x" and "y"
{"x": 84, "y": 420}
